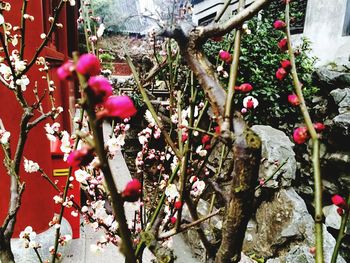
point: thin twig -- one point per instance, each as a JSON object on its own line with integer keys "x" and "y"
{"x": 315, "y": 146}
{"x": 152, "y": 110}
{"x": 185, "y": 227}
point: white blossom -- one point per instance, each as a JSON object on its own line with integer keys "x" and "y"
{"x": 200, "y": 151}
{"x": 100, "y": 30}
{"x": 171, "y": 192}
{"x": 81, "y": 176}
{"x": 4, "y": 136}
{"x": 149, "y": 118}
{"x": 30, "y": 166}
{"x": 20, "y": 65}
{"x": 5, "y": 71}
{"x": 197, "y": 188}
{"x": 28, "y": 235}
{"x": 114, "y": 144}
{"x": 65, "y": 146}
{"x": 23, "y": 82}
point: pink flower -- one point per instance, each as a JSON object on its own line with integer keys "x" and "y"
{"x": 225, "y": 56}
{"x": 281, "y": 73}
{"x": 80, "y": 157}
{"x": 286, "y": 64}
{"x": 178, "y": 205}
{"x": 293, "y": 99}
{"x": 118, "y": 106}
{"x": 132, "y": 191}
{"x": 101, "y": 88}
{"x": 217, "y": 130}
{"x": 245, "y": 87}
{"x": 279, "y": 24}
{"x": 319, "y": 127}
{"x": 173, "y": 220}
{"x": 283, "y": 44}
{"x": 65, "y": 71}
{"x": 88, "y": 65}
{"x": 300, "y": 135}
{"x": 339, "y": 201}
{"x": 243, "y": 110}
{"x": 206, "y": 139}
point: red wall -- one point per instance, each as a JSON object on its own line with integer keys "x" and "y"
{"x": 37, "y": 205}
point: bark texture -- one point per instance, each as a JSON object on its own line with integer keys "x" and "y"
{"x": 247, "y": 152}
{"x": 6, "y": 255}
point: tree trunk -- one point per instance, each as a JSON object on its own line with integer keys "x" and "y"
{"x": 246, "y": 152}
{"x": 6, "y": 255}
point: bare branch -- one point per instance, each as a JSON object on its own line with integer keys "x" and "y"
{"x": 214, "y": 30}
{"x": 185, "y": 227}
{"x": 39, "y": 119}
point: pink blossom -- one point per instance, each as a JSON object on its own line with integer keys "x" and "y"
{"x": 88, "y": 65}
{"x": 339, "y": 201}
{"x": 118, "y": 106}
{"x": 132, "y": 191}
{"x": 319, "y": 127}
{"x": 101, "y": 88}
{"x": 283, "y": 44}
{"x": 245, "y": 87}
{"x": 65, "y": 71}
{"x": 173, "y": 220}
{"x": 300, "y": 135}
{"x": 293, "y": 99}
{"x": 80, "y": 157}
{"x": 206, "y": 139}
{"x": 225, "y": 56}
{"x": 279, "y": 24}
{"x": 286, "y": 64}
{"x": 178, "y": 205}
{"x": 281, "y": 73}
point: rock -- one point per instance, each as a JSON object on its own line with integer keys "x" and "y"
{"x": 46, "y": 240}
{"x": 340, "y": 158}
{"x": 283, "y": 230}
{"x": 342, "y": 99}
{"x": 325, "y": 75}
{"x": 342, "y": 121}
{"x": 300, "y": 255}
{"x": 333, "y": 219}
{"x": 203, "y": 210}
{"x": 329, "y": 78}
{"x": 276, "y": 149}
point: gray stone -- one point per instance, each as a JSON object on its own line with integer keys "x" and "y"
{"x": 276, "y": 149}
{"x": 203, "y": 210}
{"x": 326, "y": 75}
{"x": 342, "y": 121}
{"x": 342, "y": 99}
{"x": 333, "y": 219}
{"x": 280, "y": 226}
{"x": 46, "y": 239}
{"x": 300, "y": 255}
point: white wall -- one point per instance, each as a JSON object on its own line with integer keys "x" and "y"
{"x": 324, "y": 26}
